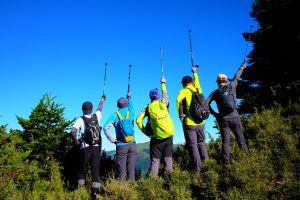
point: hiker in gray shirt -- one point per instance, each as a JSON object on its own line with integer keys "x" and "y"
{"x": 228, "y": 117}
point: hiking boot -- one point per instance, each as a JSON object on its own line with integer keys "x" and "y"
{"x": 94, "y": 195}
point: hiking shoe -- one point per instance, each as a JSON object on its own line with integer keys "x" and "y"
{"x": 94, "y": 195}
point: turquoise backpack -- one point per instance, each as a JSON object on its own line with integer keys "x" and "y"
{"x": 125, "y": 128}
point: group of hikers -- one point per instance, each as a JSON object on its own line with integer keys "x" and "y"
{"x": 159, "y": 127}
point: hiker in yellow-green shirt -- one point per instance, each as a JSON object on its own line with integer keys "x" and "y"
{"x": 159, "y": 128}
{"x": 193, "y": 132}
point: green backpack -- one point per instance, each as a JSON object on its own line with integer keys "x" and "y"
{"x": 161, "y": 123}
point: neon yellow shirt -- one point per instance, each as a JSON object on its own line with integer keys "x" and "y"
{"x": 186, "y": 94}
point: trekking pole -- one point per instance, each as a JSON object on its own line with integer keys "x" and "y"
{"x": 161, "y": 61}
{"x": 128, "y": 89}
{"x": 246, "y": 52}
{"x": 105, "y": 65}
{"x": 191, "y": 50}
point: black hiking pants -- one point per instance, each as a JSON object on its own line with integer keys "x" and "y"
{"x": 234, "y": 124}
{"x": 89, "y": 156}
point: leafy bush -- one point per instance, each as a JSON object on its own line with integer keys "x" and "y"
{"x": 274, "y": 135}
{"x": 115, "y": 189}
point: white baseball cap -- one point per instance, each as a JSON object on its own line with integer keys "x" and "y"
{"x": 222, "y": 78}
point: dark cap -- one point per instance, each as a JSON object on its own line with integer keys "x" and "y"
{"x": 87, "y": 108}
{"x": 186, "y": 79}
{"x": 122, "y": 103}
{"x": 154, "y": 94}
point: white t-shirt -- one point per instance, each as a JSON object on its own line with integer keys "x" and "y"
{"x": 80, "y": 126}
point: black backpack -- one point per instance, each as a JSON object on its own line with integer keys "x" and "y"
{"x": 225, "y": 100}
{"x": 199, "y": 109}
{"x": 91, "y": 134}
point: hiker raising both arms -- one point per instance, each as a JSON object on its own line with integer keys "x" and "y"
{"x": 123, "y": 121}
{"x": 228, "y": 117}
{"x": 86, "y": 134}
{"x": 193, "y": 130}
{"x": 159, "y": 128}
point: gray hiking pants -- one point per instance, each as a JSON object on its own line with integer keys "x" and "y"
{"x": 126, "y": 159}
{"x": 161, "y": 149}
{"x": 232, "y": 123}
{"x": 195, "y": 141}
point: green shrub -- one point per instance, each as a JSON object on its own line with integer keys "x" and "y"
{"x": 178, "y": 184}
{"x": 115, "y": 189}
{"x": 205, "y": 184}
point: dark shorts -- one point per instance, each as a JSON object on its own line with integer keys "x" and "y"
{"x": 159, "y": 148}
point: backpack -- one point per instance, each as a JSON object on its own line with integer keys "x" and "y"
{"x": 199, "y": 109}
{"x": 91, "y": 134}
{"x": 225, "y": 100}
{"x": 125, "y": 128}
{"x": 161, "y": 123}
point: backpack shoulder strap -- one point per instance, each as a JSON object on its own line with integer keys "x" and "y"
{"x": 127, "y": 114}
{"x": 192, "y": 90}
{"x": 119, "y": 115}
{"x": 84, "y": 119}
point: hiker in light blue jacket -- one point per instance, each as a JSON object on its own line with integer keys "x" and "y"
{"x": 125, "y": 146}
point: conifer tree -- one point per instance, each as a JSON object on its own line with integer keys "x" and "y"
{"x": 271, "y": 77}
{"x": 45, "y": 132}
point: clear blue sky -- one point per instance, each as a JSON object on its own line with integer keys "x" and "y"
{"x": 60, "y": 47}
